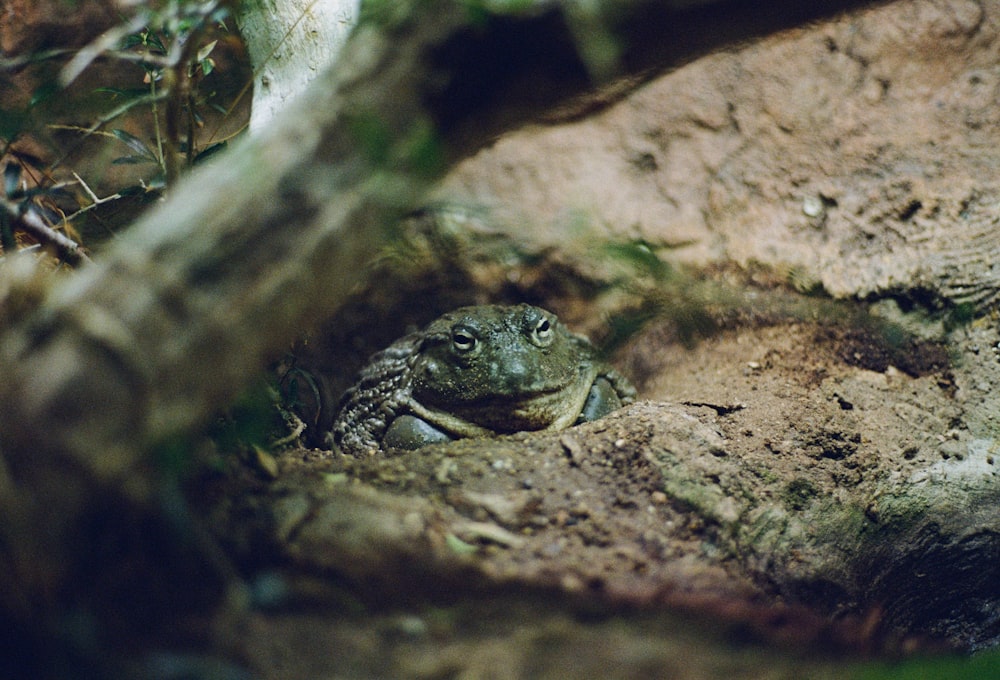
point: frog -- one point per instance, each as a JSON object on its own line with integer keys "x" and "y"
{"x": 477, "y": 371}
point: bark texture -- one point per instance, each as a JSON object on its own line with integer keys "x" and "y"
{"x": 290, "y": 43}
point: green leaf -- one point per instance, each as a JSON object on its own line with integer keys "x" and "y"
{"x": 642, "y": 257}
{"x": 134, "y": 190}
{"x": 134, "y": 143}
{"x": 49, "y": 216}
{"x": 206, "y": 50}
{"x": 25, "y": 158}
{"x": 458, "y": 546}
{"x": 133, "y": 40}
{"x": 11, "y": 179}
{"x": 132, "y": 160}
{"x": 209, "y": 152}
{"x": 46, "y": 192}
{"x": 154, "y": 42}
{"x": 44, "y": 93}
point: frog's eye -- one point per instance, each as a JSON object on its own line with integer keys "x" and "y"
{"x": 463, "y": 340}
{"x": 542, "y": 332}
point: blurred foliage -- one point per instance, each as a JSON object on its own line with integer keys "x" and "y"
{"x": 148, "y": 96}
{"x": 977, "y": 667}
{"x": 245, "y": 433}
{"x": 416, "y": 153}
{"x": 255, "y": 419}
{"x": 662, "y": 291}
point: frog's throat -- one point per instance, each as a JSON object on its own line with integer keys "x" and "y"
{"x": 460, "y": 427}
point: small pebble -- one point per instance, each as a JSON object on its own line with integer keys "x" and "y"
{"x": 812, "y": 206}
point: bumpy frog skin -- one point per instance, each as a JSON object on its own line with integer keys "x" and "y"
{"x": 477, "y": 372}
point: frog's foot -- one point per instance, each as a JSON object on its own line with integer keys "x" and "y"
{"x": 410, "y": 432}
{"x": 602, "y": 400}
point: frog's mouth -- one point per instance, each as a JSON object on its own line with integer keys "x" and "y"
{"x": 550, "y": 409}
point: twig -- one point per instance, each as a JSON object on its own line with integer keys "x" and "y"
{"x": 102, "y": 43}
{"x": 20, "y": 60}
{"x": 95, "y": 201}
{"x": 67, "y": 249}
{"x": 95, "y": 128}
{"x": 296, "y": 426}
{"x": 145, "y": 58}
{"x": 155, "y": 110}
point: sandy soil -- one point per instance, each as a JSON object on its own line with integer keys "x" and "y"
{"x": 639, "y": 525}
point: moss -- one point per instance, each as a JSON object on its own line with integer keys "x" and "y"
{"x": 833, "y": 523}
{"x": 985, "y": 665}
{"x": 706, "y": 500}
{"x": 803, "y": 537}
{"x": 764, "y": 529}
{"x": 799, "y": 494}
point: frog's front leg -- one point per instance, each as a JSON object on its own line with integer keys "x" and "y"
{"x": 410, "y": 432}
{"x": 602, "y": 400}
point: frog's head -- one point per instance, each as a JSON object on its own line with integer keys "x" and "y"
{"x": 505, "y": 368}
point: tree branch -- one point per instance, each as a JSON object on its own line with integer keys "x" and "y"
{"x": 66, "y": 248}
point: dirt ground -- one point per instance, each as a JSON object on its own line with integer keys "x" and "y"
{"x": 606, "y": 545}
